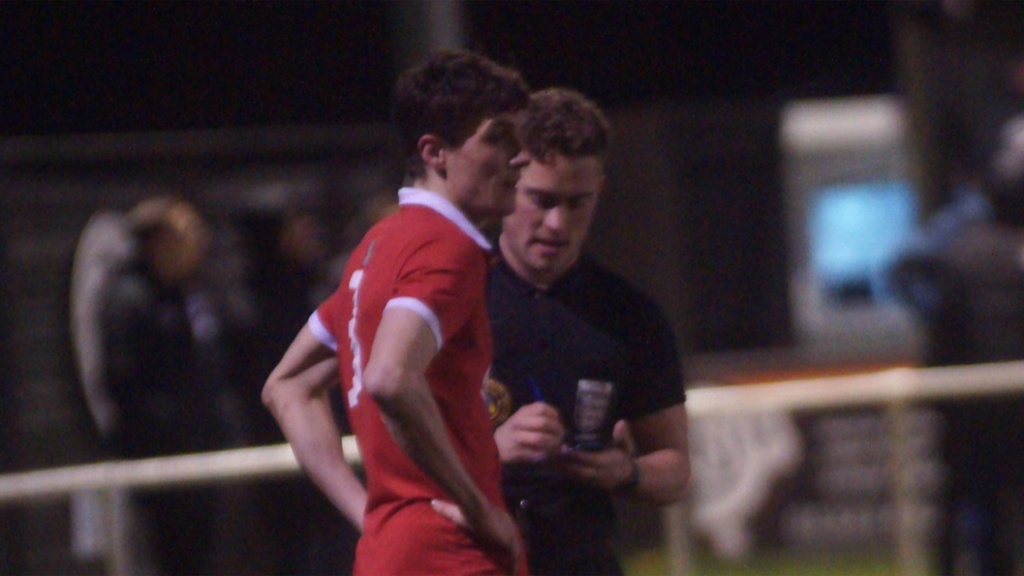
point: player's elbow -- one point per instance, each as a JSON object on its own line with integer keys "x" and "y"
{"x": 269, "y": 394}
{"x": 274, "y": 394}
{"x": 382, "y": 382}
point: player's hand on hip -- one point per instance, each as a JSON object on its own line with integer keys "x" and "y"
{"x": 496, "y": 530}
{"x": 532, "y": 434}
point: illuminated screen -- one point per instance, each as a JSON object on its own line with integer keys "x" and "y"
{"x": 855, "y": 232}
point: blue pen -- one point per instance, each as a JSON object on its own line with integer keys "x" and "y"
{"x": 536, "y": 390}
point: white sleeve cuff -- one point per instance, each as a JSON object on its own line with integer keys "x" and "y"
{"x": 321, "y": 333}
{"x": 423, "y": 311}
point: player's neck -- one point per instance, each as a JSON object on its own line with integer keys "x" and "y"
{"x": 438, "y": 184}
{"x": 434, "y": 182}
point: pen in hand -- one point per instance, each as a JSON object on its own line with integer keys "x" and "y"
{"x": 537, "y": 395}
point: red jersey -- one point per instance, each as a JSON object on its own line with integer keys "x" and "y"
{"x": 426, "y": 257}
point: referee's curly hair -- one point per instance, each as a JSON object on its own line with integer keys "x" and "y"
{"x": 564, "y": 121}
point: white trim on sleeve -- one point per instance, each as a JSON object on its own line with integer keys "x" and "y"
{"x": 443, "y": 206}
{"x": 320, "y": 331}
{"x": 423, "y": 311}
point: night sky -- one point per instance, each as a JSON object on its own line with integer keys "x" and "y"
{"x": 83, "y": 67}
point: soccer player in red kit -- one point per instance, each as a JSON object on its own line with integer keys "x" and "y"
{"x": 407, "y": 331}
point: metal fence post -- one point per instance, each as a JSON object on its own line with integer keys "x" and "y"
{"x": 120, "y": 556}
{"x": 911, "y": 555}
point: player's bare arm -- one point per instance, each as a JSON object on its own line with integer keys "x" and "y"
{"x": 296, "y": 393}
{"x": 394, "y": 376}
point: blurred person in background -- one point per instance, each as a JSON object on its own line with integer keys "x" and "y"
{"x": 977, "y": 316}
{"x": 165, "y": 373}
{"x": 964, "y": 279}
{"x": 963, "y": 276}
{"x": 567, "y": 329}
{"x": 407, "y": 334}
{"x": 285, "y": 255}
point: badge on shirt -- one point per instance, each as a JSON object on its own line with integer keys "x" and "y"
{"x": 499, "y": 401}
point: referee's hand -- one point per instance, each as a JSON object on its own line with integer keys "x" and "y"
{"x": 533, "y": 434}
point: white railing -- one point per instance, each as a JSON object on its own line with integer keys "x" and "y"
{"x": 892, "y": 388}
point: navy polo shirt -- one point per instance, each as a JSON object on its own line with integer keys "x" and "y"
{"x": 590, "y": 325}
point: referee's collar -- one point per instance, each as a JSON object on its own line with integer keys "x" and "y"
{"x": 409, "y": 196}
{"x": 565, "y": 284}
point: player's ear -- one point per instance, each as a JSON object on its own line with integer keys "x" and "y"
{"x": 433, "y": 153}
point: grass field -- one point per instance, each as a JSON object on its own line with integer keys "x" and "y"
{"x": 655, "y": 563}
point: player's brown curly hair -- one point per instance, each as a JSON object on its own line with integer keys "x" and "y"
{"x": 449, "y": 95}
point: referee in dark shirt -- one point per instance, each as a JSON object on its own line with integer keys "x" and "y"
{"x": 586, "y": 391}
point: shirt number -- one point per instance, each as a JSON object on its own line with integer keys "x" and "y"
{"x": 355, "y": 346}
